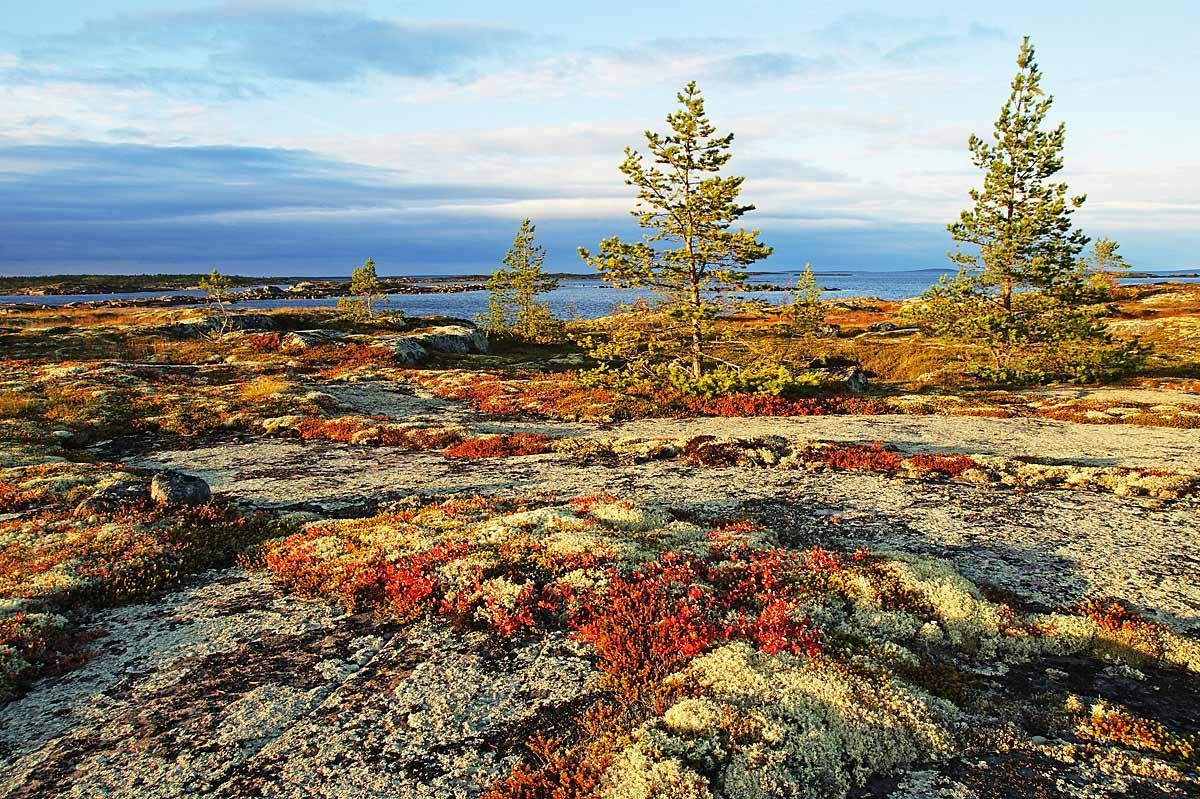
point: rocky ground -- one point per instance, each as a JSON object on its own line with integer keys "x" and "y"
{"x": 1054, "y": 546}
{"x": 274, "y": 678}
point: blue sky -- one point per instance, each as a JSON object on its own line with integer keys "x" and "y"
{"x": 301, "y": 138}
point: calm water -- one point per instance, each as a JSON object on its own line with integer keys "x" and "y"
{"x": 587, "y": 298}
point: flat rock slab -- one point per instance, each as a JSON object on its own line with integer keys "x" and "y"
{"x": 1131, "y": 446}
{"x": 229, "y": 688}
{"x": 1054, "y": 546}
{"x": 394, "y": 401}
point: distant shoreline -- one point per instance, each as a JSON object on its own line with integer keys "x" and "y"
{"x": 299, "y": 287}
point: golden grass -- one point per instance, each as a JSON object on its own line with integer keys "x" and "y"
{"x": 14, "y": 405}
{"x": 262, "y": 389}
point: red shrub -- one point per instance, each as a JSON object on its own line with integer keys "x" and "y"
{"x": 264, "y": 342}
{"x": 652, "y": 623}
{"x": 12, "y": 498}
{"x": 385, "y": 434}
{"x": 1113, "y": 615}
{"x": 949, "y": 465}
{"x": 872, "y": 458}
{"x": 506, "y": 445}
{"x": 647, "y": 626}
{"x": 556, "y": 771}
{"x": 314, "y": 428}
{"x": 47, "y": 651}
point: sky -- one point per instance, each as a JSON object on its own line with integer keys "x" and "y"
{"x": 302, "y": 138}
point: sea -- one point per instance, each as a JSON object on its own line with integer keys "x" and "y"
{"x": 582, "y": 298}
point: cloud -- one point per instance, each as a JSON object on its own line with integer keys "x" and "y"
{"x": 135, "y": 207}
{"x": 768, "y": 66}
{"x": 240, "y": 52}
{"x": 90, "y": 182}
{"x": 905, "y": 39}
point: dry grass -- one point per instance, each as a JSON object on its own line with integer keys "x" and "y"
{"x": 16, "y": 405}
{"x": 262, "y": 389}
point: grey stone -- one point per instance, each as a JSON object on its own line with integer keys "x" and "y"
{"x": 456, "y": 339}
{"x": 175, "y": 488}
{"x": 126, "y": 490}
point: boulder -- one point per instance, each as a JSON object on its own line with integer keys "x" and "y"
{"x": 407, "y": 349}
{"x": 892, "y": 332}
{"x": 300, "y": 340}
{"x": 174, "y": 488}
{"x": 124, "y": 490}
{"x": 882, "y": 327}
{"x": 455, "y": 339}
{"x": 827, "y": 331}
{"x": 414, "y": 347}
{"x": 856, "y": 380}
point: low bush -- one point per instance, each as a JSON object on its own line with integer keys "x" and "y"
{"x": 948, "y": 465}
{"x": 129, "y": 554}
{"x": 377, "y": 431}
{"x": 264, "y": 342}
{"x": 861, "y": 457}
{"x": 506, "y": 445}
{"x": 34, "y": 645}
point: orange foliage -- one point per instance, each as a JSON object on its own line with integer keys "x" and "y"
{"x": 950, "y": 465}
{"x": 382, "y": 433}
{"x": 874, "y": 457}
{"x": 1108, "y": 724}
{"x": 506, "y": 445}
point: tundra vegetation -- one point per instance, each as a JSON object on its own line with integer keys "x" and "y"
{"x": 653, "y": 576}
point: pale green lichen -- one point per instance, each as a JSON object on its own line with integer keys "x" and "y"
{"x": 759, "y": 725}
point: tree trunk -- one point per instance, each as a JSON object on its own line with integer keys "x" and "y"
{"x": 1006, "y": 296}
{"x": 697, "y": 342}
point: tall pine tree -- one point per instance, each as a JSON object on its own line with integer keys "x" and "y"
{"x": 1021, "y": 220}
{"x": 690, "y": 209}
{"x": 1019, "y": 294}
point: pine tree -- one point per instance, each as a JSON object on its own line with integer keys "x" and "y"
{"x": 690, "y": 209}
{"x": 217, "y": 286}
{"x": 805, "y": 314}
{"x": 1021, "y": 221}
{"x": 365, "y": 286}
{"x": 1103, "y": 266}
{"x": 513, "y": 291}
{"x": 1021, "y": 299}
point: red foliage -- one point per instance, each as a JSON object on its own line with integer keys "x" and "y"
{"x": 648, "y": 625}
{"x": 51, "y": 652}
{"x": 338, "y": 358}
{"x": 873, "y": 458}
{"x": 264, "y": 342}
{"x": 556, "y": 771}
{"x": 950, "y": 465}
{"x": 651, "y": 623}
{"x": 506, "y": 445}
{"x": 585, "y": 505}
{"x": 1110, "y": 614}
{"x": 561, "y": 396}
{"x": 12, "y": 498}
{"x": 385, "y": 434}
{"x": 410, "y": 585}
